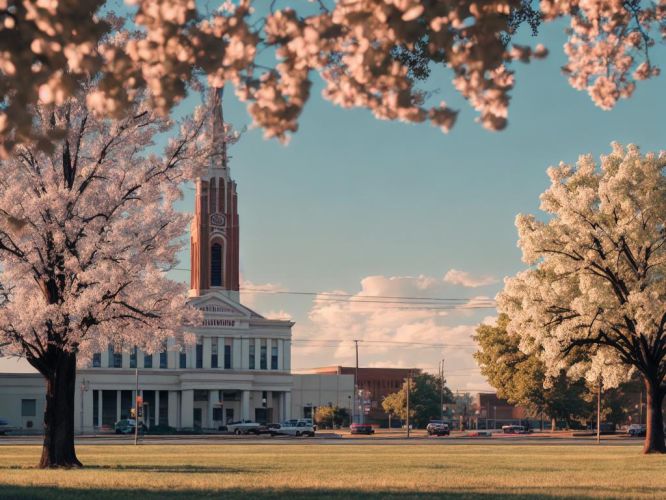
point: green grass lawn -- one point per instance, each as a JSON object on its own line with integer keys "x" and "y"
{"x": 337, "y": 471}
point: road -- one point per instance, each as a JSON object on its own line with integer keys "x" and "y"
{"x": 331, "y": 438}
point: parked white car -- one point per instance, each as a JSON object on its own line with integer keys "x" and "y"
{"x": 244, "y": 427}
{"x": 291, "y": 428}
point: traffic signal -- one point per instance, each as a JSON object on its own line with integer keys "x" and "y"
{"x": 132, "y": 413}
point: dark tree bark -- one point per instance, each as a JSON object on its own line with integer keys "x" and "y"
{"x": 654, "y": 435}
{"x": 59, "y": 370}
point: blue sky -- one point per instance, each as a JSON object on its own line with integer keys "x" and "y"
{"x": 351, "y": 197}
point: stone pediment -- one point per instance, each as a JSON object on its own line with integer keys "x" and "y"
{"x": 218, "y": 305}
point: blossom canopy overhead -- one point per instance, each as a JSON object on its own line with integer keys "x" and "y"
{"x": 369, "y": 53}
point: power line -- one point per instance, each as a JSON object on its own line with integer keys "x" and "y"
{"x": 389, "y": 342}
{"x": 356, "y": 296}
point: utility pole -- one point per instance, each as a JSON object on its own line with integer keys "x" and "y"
{"x": 599, "y": 412}
{"x": 409, "y": 383}
{"x": 356, "y": 406}
{"x": 136, "y": 410}
{"x": 441, "y": 389}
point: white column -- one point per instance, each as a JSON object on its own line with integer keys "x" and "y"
{"x": 187, "y": 408}
{"x": 236, "y": 354}
{"x": 269, "y": 353}
{"x": 287, "y": 355}
{"x": 157, "y": 407}
{"x": 287, "y": 405}
{"x": 192, "y": 356}
{"x": 245, "y": 405}
{"x": 206, "y": 352}
{"x": 172, "y": 355}
{"x": 245, "y": 354}
{"x": 220, "y": 352}
{"x": 173, "y": 409}
{"x": 99, "y": 408}
{"x": 117, "y": 405}
{"x": 104, "y": 358}
{"x": 280, "y": 344}
{"x": 126, "y": 356}
{"x": 139, "y": 358}
{"x": 257, "y": 354}
{"x": 212, "y": 399}
{"x": 88, "y": 417}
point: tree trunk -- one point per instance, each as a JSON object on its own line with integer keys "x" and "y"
{"x": 58, "y": 448}
{"x": 553, "y": 424}
{"x": 654, "y": 435}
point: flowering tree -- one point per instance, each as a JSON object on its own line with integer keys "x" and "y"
{"x": 594, "y": 298}
{"x": 521, "y": 378}
{"x": 86, "y": 234}
{"x": 369, "y": 53}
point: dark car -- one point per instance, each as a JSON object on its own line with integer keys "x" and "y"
{"x": 362, "y": 429}
{"x": 438, "y": 428}
{"x": 5, "y": 427}
{"x": 127, "y": 425}
{"x": 636, "y": 430}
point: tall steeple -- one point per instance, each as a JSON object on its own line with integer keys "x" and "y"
{"x": 214, "y": 248}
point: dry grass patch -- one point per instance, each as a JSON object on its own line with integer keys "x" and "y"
{"x": 338, "y": 471}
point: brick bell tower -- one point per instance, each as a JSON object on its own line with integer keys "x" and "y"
{"x": 214, "y": 249}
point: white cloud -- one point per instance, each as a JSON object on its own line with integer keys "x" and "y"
{"x": 251, "y": 292}
{"x": 281, "y": 314}
{"x": 376, "y": 313}
{"x": 463, "y": 278}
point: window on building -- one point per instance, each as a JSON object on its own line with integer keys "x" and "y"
{"x": 274, "y": 357}
{"x": 97, "y": 360}
{"x": 95, "y": 408}
{"x": 263, "y": 359}
{"x": 28, "y": 407}
{"x": 182, "y": 360}
{"x": 216, "y": 265}
{"x": 147, "y": 360}
{"x": 163, "y": 358}
{"x": 133, "y": 357}
{"x": 251, "y": 354}
{"x": 199, "y": 354}
{"x": 227, "y": 356}
{"x": 164, "y": 408}
{"x": 213, "y": 353}
{"x": 200, "y": 395}
{"x": 115, "y": 358}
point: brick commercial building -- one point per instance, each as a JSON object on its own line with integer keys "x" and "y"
{"x": 491, "y": 412}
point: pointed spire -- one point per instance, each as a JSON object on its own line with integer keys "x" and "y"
{"x": 218, "y": 130}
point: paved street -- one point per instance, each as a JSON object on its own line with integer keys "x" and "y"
{"x": 332, "y": 438}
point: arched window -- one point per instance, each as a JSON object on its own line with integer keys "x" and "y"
{"x": 216, "y": 265}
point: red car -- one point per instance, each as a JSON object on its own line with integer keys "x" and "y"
{"x": 362, "y": 429}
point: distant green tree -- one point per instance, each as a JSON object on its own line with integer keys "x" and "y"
{"x": 424, "y": 399}
{"x": 521, "y": 378}
{"x": 331, "y": 416}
